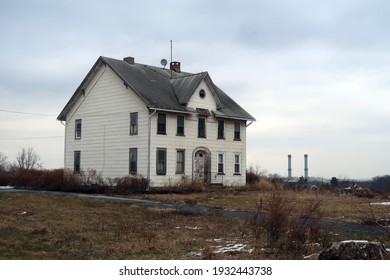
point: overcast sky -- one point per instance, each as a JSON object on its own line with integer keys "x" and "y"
{"x": 315, "y": 74}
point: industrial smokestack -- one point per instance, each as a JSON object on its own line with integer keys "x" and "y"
{"x": 306, "y": 167}
{"x": 289, "y": 167}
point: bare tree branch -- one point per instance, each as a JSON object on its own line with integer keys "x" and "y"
{"x": 28, "y": 159}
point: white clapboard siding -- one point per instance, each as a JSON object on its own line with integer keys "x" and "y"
{"x": 105, "y": 142}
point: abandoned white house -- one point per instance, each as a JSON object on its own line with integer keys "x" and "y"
{"x": 164, "y": 124}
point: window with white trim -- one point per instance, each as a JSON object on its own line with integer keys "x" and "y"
{"x": 133, "y": 161}
{"x": 221, "y": 163}
{"x": 161, "y": 161}
{"x": 180, "y": 161}
{"x": 161, "y": 123}
{"x": 221, "y": 129}
{"x": 77, "y": 129}
{"x": 201, "y": 128}
{"x": 237, "y": 131}
{"x": 134, "y": 123}
{"x": 180, "y": 126}
{"x": 77, "y": 161}
{"x": 237, "y": 164}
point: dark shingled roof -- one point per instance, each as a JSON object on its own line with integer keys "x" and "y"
{"x": 163, "y": 89}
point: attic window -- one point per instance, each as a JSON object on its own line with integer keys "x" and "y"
{"x": 202, "y": 93}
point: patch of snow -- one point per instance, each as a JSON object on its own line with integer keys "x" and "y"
{"x": 188, "y": 227}
{"x": 22, "y": 213}
{"x": 354, "y": 241}
{"x": 218, "y": 239}
{"x": 193, "y": 228}
{"x": 230, "y": 248}
{"x": 380, "y": 203}
{"x": 6, "y": 187}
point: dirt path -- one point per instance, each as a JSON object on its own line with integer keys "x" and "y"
{"x": 370, "y": 230}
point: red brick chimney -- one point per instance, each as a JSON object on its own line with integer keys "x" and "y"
{"x": 175, "y": 66}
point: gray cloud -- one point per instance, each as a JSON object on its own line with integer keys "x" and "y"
{"x": 314, "y": 73}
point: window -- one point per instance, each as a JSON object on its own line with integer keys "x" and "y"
{"x": 77, "y": 132}
{"x": 133, "y": 161}
{"x": 202, "y": 93}
{"x": 162, "y": 124}
{"x": 237, "y": 129}
{"x": 221, "y": 129}
{"x": 180, "y": 126}
{"x": 161, "y": 161}
{"x": 237, "y": 164}
{"x": 202, "y": 128}
{"x": 180, "y": 161}
{"x": 221, "y": 163}
{"x": 133, "y": 123}
{"x": 77, "y": 161}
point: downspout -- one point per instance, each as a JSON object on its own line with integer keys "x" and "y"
{"x": 150, "y": 142}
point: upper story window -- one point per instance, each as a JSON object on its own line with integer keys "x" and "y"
{"x": 221, "y": 129}
{"x": 180, "y": 126}
{"x": 134, "y": 123}
{"x": 237, "y": 130}
{"x": 77, "y": 132}
{"x": 161, "y": 123}
{"x": 202, "y": 93}
{"x": 202, "y": 128}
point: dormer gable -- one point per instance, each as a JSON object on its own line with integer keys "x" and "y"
{"x": 196, "y": 90}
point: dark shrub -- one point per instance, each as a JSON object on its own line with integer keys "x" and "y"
{"x": 5, "y": 178}
{"x": 28, "y": 178}
{"x": 130, "y": 184}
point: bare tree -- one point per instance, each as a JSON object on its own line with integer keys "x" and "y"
{"x": 28, "y": 159}
{"x": 3, "y": 162}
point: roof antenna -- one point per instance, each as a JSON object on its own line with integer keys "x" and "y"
{"x": 171, "y": 50}
{"x": 171, "y": 60}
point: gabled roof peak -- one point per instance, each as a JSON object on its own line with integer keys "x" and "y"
{"x": 161, "y": 88}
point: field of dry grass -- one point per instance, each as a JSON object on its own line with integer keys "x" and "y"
{"x": 334, "y": 206}
{"x": 42, "y": 226}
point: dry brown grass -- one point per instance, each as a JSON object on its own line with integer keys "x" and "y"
{"x": 37, "y": 226}
{"x": 334, "y": 206}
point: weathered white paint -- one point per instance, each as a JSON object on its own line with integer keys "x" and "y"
{"x": 105, "y": 112}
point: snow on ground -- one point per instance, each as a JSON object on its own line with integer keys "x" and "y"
{"x": 380, "y": 203}
{"x": 6, "y": 187}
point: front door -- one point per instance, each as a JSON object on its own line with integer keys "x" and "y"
{"x": 201, "y": 166}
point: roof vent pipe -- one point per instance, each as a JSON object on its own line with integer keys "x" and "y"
{"x": 175, "y": 66}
